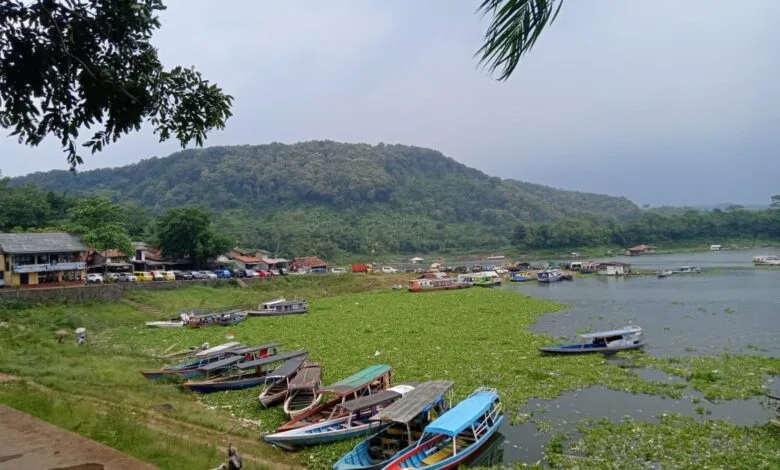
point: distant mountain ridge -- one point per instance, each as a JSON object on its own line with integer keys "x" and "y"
{"x": 351, "y": 182}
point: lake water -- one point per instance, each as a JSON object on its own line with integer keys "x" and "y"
{"x": 730, "y": 307}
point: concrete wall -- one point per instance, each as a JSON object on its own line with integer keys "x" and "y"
{"x": 101, "y": 292}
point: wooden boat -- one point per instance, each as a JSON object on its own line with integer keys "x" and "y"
{"x": 346, "y": 420}
{"x": 403, "y": 423}
{"x": 607, "y": 342}
{"x": 303, "y": 393}
{"x": 430, "y": 285}
{"x": 212, "y": 360}
{"x": 455, "y": 436}
{"x": 366, "y": 382}
{"x": 688, "y": 270}
{"x": 280, "y": 307}
{"x": 276, "y": 392}
{"x": 549, "y": 275}
{"x": 665, "y": 273}
{"x": 195, "y": 351}
{"x": 165, "y": 324}
{"x": 228, "y": 318}
{"x": 524, "y": 276}
{"x": 241, "y": 374}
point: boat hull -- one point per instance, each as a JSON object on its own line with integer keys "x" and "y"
{"x": 183, "y": 373}
{"x": 309, "y": 396}
{"x": 451, "y": 462}
{"x": 432, "y": 289}
{"x": 320, "y": 433}
{"x": 222, "y": 385}
{"x": 273, "y": 395}
{"x": 580, "y": 349}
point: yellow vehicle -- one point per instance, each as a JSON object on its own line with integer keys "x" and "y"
{"x": 143, "y": 276}
{"x": 169, "y": 275}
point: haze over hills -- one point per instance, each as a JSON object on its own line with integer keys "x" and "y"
{"x": 397, "y": 196}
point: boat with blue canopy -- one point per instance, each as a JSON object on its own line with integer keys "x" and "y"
{"x": 242, "y": 374}
{"x": 347, "y": 420}
{"x": 402, "y": 424}
{"x": 523, "y": 276}
{"x": 366, "y": 382}
{"x": 607, "y": 342}
{"x": 456, "y": 435}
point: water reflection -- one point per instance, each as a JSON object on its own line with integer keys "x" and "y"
{"x": 490, "y": 454}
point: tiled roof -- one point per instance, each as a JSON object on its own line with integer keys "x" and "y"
{"x": 246, "y": 259}
{"x": 40, "y": 243}
{"x": 309, "y": 261}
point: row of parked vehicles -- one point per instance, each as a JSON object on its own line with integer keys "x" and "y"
{"x": 145, "y": 276}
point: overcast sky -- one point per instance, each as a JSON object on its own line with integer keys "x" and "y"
{"x": 665, "y": 102}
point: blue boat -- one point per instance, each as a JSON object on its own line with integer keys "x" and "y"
{"x": 197, "y": 366}
{"x": 404, "y": 420}
{"x": 455, "y": 436}
{"x": 242, "y": 374}
{"x": 347, "y": 420}
{"x": 607, "y": 342}
{"x": 522, "y": 277}
{"x": 549, "y": 275}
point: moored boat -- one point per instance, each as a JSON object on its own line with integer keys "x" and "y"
{"x": 549, "y": 275}
{"x": 228, "y": 318}
{"x": 665, "y": 273}
{"x": 276, "y": 392}
{"x": 303, "y": 392}
{"x": 366, "y": 382}
{"x": 213, "y": 361}
{"x": 766, "y": 260}
{"x": 403, "y": 423}
{"x": 481, "y": 279}
{"x": 430, "y": 285}
{"x": 523, "y": 276}
{"x": 280, "y": 307}
{"x": 455, "y": 436}
{"x": 346, "y": 420}
{"x": 241, "y": 374}
{"x": 607, "y": 342}
{"x": 688, "y": 270}
{"x": 165, "y": 324}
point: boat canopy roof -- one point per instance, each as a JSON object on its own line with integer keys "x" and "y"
{"x": 307, "y": 378}
{"x": 289, "y": 368}
{"x": 220, "y": 364}
{"x": 414, "y": 402}
{"x": 219, "y": 349}
{"x": 270, "y": 359}
{"x": 464, "y": 414}
{"x": 369, "y": 400}
{"x": 275, "y": 301}
{"x": 251, "y": 349}
{"x": 601, "y": 334}
{"x": 358, "y": 380}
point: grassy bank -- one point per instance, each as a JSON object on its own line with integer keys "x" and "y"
{"x": 475, "y": 337}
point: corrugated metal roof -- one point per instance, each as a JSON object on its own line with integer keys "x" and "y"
{"x": 40, "y": 243}
{"x": 415, "y": 402}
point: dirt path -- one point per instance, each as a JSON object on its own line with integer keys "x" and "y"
{"x": 28, "y": 443}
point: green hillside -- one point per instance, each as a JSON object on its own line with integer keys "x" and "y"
{"x": 324, "y": 195}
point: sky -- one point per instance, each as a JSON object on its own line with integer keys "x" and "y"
{"x": 664, "y": 102}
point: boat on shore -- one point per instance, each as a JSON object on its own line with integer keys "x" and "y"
{"x": 402, "y": 424}
{"x": 455, "y": 436}
{"x": 280, "y": 307}
{"x": 766, "y": 260}
{"x": 523, "y": 276}
{"x": 240, "y": 374}
{"x": 688, "y": 270}
{"x": 481, "y": 279}
{"x": 430, "y": 285}
{"x": 366, "y": 382}
{"x": 347, "y": 420}
{"x": 213, "y": 361}
{"x": 549, "y": 275}
{"x": 165, "y": 324}
{"x": 607, "y": 342}
{"x": 277, "y": 391}
{"x": 303, "y": 393}
{"x": 228, "y": 318}
{"x": 665, "y": 273}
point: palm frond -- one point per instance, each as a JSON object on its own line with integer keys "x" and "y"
{"x": 514, "y": 30}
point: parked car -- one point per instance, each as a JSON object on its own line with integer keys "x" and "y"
{"x": 158, "y": 276}
{"x": 239, "y": 273}
{"x": 127, "y": 277}
{"x": 208, "y": 275}
{"x": 111, "y": 277}
{"x": 338, "y": 270}
{"x": 318, "y": 270}
{"x": 223, "y": 274}
{"x": 249, "y": 273}
{"x": 182, "y": 275}
{"x": 94, "y": 278}
{"x": 169, "y": 275}
{"x": 198, "y": 275}
{"x": 143, "y": 276}
{"x": 388, "y": 270}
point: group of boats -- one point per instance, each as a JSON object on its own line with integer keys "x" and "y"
{"x": 232, "y": 316}
{"x": 411, "y": 425}
{"x": 543, "y": 276}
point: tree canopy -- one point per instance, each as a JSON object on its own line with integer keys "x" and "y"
{"x": 71, "y": 65}
{"x": 187, "y": 232}
{"x": 101, "y": 224}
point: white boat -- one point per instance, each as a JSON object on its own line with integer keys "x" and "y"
{"x": 688, "y": 270}
{"x": 549, "y": 275}
{"x": 766, "y": 260}
{"x": 665, "y": 273}
{"x": 218, "y": 348}
{"x": 280, "y": 307}
{"x": 607, "y": 342}
{"x": 165, "y": 324}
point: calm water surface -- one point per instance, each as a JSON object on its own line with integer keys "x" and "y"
{"x": 730, "y": 307}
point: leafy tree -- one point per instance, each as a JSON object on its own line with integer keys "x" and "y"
{"x": 775, "y": 202}
{"x": 68, "y": 65}
{"x": 22, "y": 208}
{"x": 101, "y": 224}
{"x": 187, "y": 232}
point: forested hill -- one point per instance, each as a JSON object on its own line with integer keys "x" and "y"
{"x": 420, "y": 189}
